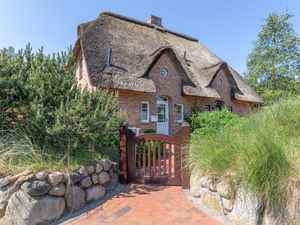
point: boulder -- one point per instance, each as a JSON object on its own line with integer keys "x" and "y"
{"x": 106, "y": 164}
{"x": 95, "y": 178}
{"x": 56, "y": 178}
{"x": 22, "y": 179}
{"x": 195, "y": 184}
{"x": 103, "y": 177}
{"x": 22, "y": 174}
{"x": 225, "y": 190}
{"x": 212, "y": 200}
{"x": 5, "y": 194}
{"x": 90, "y": 170}
{"x": 85, "y": 183}
{"x": 94, "y": 193}
{"x": 212, "y": 184}
{"x": 75, "y": 197}
{"x": 41, "y": 175}
{"x": 23, "y": 209}
{"x": 73, "y": 177}
{"x": 203, "y": 181}
{"x": 58, "y": 190}
{"x": 4, "y": 181}
{"x": 111, "y": 172}
{"x": 247, "y": 209}
{"x": 36, "y": 188}
{"x": 290, "y": 211}
{"x": 83, "y": 171}
{"x": 99, "y": 168}
{"x": 227, "y": 204}
{"x": 112, "y": 184}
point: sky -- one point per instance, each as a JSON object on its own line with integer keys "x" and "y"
{"x": 226, "y": 27}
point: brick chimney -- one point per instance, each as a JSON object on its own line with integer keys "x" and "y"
{"x": 154, "y": 20}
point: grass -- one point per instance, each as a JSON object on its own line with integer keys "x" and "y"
{"x": 261, "y": 152}
{"x": 18, "y": 152}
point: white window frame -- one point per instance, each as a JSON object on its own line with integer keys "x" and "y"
{"x": 182, "y": 113}
{"x": 148, "y": 112}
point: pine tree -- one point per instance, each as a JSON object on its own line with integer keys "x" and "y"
{"x": 273, "y": 67}
{"x": 38, "y": 95}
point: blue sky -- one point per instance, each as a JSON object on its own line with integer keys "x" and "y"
{"x": 226, "y": 27}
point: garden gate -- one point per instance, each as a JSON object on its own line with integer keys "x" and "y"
{"x": 154, "y": 158}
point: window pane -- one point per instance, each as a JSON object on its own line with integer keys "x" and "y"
{"x": 179, "y": 113}
{"x": 207, "y": 108}
{"x": 144, "y": 113}
{"x": 161, "y": 113}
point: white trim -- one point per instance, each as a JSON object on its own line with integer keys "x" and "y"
{"x": 148, "y": 113}
{"x": 182, "y": 113}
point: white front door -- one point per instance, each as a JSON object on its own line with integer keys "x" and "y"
{"x": 162, "y": 115}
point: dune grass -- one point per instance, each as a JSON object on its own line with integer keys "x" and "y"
{"x": 18, "y": 152}
{"x": 261, "y": 152}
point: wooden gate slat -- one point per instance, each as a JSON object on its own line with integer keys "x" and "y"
{"x": 154, "y": 158}
{"x": 170, "y": 159}
{"x": 139, "y": 158}
{"x": 144, "y": 159}
{"x": 149, "y": 158}
{"x": 164, "y": 165}
{"x": 159, "y": 158}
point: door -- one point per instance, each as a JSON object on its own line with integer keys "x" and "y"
{"x": 162, "y": 115}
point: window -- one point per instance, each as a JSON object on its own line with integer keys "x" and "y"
{"x": 164, "y": 72}
{"x": 179, "y": 113}
{"x": 218, "y": 106}
{"x": 207, "y": 108}
{"x": 230, "y": 108}
{"x": 145, "y": 112}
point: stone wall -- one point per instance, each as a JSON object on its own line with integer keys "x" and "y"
{"x": 41, "y": 198}
{"x": 243, "y": 207}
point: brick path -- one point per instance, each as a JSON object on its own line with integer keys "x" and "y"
{"x": 146, "y": 205}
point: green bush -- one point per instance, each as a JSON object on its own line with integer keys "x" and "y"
{"x": 149, "y": 131}
{"x": 260, "y": 152}
{"x": 39, "y": 98}
{"x": 204, "y": 123}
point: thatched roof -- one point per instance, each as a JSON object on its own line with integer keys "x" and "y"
{"x": 136, "y": 46}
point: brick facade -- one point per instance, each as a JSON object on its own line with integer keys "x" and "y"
{"x": 171, "y": 88}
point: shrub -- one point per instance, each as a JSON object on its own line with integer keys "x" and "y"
{"x": 260, "y": 152}
{"x": 149, "y": 131}
{"x": 204, "y": 123}
{"x": 39, "y": 98}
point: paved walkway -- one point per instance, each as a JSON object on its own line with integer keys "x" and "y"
{"x": 146, "y": 205}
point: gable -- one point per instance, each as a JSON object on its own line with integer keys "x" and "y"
{"x": 172, "y": 83}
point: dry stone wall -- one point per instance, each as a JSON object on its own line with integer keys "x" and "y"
{"x": 41, "y": 198}
{"x": 244, "y": 207}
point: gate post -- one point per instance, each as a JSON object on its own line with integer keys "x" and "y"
{"x": 123, "y": 168}
{"x": 185, "y": 173}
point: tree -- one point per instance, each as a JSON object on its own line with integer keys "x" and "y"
{"x": 39, "y": 97}
{"x": 273, "y": 67}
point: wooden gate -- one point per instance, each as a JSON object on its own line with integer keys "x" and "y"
{"x": 154, "y": 158}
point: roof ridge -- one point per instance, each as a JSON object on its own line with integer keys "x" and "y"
{"x": 162, "y": 29}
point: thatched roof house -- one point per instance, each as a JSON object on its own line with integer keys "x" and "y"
{"x": 121, "y": 53}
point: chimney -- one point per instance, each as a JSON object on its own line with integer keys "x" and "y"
{"x": 154, "y": 20}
